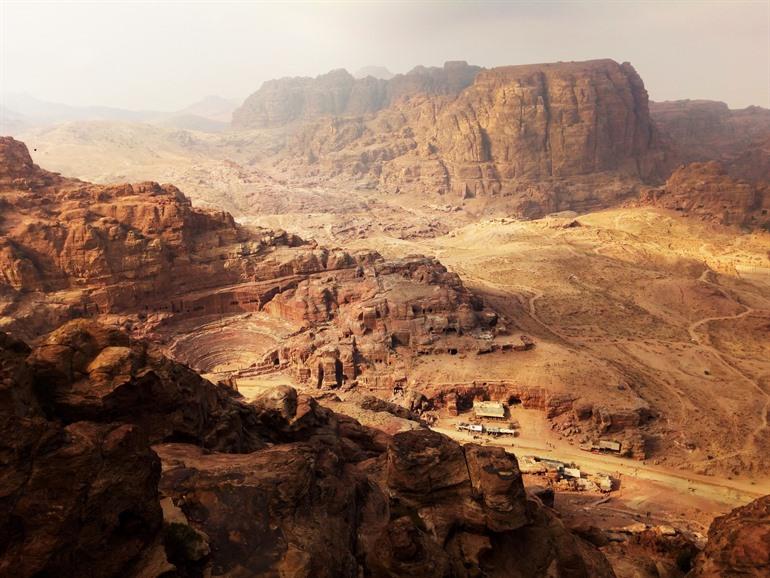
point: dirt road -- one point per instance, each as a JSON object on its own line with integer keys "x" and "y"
{"x": 732, "y": 492}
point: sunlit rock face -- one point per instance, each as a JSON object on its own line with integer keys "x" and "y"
{"x": 548, "y": 120}
{"x": 547, "y": 137}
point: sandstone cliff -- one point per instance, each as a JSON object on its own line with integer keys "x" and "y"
{"x": 547, "y": 137}
{"x": 707, "y": 191}
{"x": 278, "y": 487}
{"x": 282, "y": 101}
{"x": 705, "y": 130}
{"x": 541, "y": 121}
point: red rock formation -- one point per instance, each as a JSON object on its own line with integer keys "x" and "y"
{"x": 551, "y": 136}
{"x": 119, "y": 246}
{"x": 383, "y": 312}
{"x": 705, "y": 190}
{"x": 316, "y": 494}
{"x": 550, "y": 120}
{"x": 738, "y": 544}
{"x": 87, "y": 372}
{"x": 142, "y": 251}
{"x": 76, "y": 498}
{"x": 705, "y": 130}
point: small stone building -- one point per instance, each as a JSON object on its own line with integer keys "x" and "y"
{"x": 489, "y": 409}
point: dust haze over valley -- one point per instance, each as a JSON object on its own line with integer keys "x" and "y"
{"x": 426, "y": 289}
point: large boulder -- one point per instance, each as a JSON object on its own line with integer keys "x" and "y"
{"x": 79, "y": 499}
{"x": 738, "y": 544}
{"x": 86, "y": 371}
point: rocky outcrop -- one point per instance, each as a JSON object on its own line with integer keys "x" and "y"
{"x": 460, "y": 396}
{"x": 738, "y": 543}
{"x": 87, "y": 372}
{"x": 118, "y": 246}
{"x": 705, "y": 130}
{"x": 289, "y": 488}
{"x": 545, "y": 138}
{"x": 384, "y": 314}
{"x": 550, "y": 120}
{"x": 338, "y": 93}
{"x": 76, "y": 497}
{"x": 707, "y": 191}
{"x": 72, "y": 249}
{"x": 407, "y": 512}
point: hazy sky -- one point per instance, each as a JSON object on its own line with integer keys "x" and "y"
{"x": 165, "y": 55}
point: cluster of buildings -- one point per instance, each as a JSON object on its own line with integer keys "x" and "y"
{"x": 487, "y": 429}
{"x": 566, "y": 476}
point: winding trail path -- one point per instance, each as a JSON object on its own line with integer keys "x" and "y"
{"x": 729, "y": 364}
{"x": 528, "y": 298}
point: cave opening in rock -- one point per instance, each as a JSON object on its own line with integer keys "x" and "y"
{"x": 338, "y": 375}
{"x": 320, "y": 375}
{"x": 513, "y": 400}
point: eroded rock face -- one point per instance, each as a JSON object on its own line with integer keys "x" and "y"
{"x": 706, "y": 130}
{"x": 144, "y": 253}
{"x": 280, "y": 102}
{"x": 115, "y": 247}
{"x": 384, "y": 313}
{"x": 550, "y": 120}
{"x": 738, "y": 543}
{"x": 76, "y": 498}
{"x": 707, "y": 191}
{"x": 84, "y": 371}
{"x": 313, "y": 494}
{"x": 547, "y": 137}
{"x": 367, "y": 500}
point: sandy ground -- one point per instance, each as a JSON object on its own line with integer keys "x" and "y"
{"x": 677, "y": 309}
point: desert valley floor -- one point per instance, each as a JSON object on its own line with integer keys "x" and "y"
{"x": 637, "y": 306}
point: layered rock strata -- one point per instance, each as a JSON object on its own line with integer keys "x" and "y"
{"x": 706, "y": 130}
{"x": 551, "y": 137}
{"x": 707, "y": 191}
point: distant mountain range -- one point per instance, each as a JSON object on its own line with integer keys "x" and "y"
{"x": 19, "y": 111}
